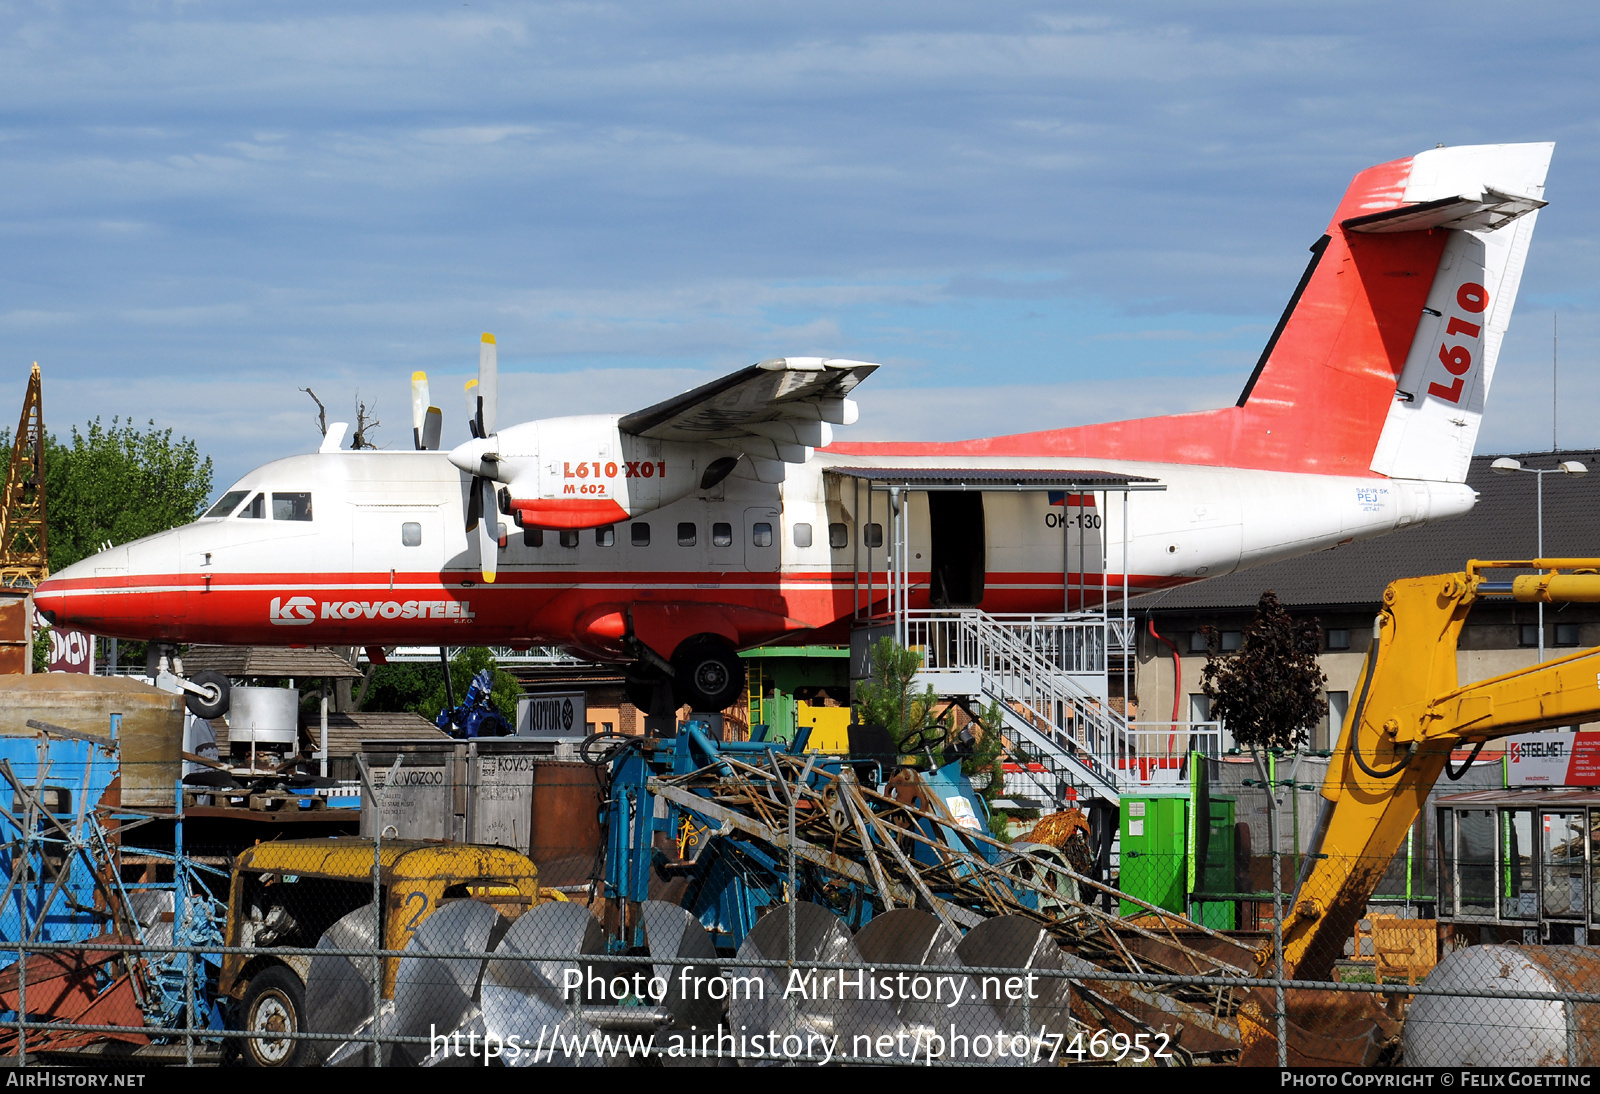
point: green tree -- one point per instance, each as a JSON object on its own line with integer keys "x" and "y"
{"x": 890, "y": 698}
{"x": 420, "y": 687}
{"x": 1269, "y": 693}
{"x": 117, "y": 484}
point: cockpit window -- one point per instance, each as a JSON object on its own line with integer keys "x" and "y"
{"x": 257, "y": 508}
{"x": 230, "y": 501}
{"x": 291, "y": 506}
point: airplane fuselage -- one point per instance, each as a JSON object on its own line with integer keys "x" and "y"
{"x": 379, "y": 554}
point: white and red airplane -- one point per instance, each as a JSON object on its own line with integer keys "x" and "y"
{"x": 671, "y": 537}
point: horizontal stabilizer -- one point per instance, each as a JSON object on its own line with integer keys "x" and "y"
{"x": 1481, "y": 212}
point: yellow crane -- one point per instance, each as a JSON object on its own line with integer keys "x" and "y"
{"x": 1410, "y": 714}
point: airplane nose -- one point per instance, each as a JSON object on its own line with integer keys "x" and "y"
{"x": 48, "y": 600}
{"x": 478, "y": 456}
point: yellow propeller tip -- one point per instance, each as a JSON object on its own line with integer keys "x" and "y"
{"x": 489, "y": 338}
{"x": 488, "y": 579}
{"x": 471, "y": 384}
{"x": 415, "y": 376}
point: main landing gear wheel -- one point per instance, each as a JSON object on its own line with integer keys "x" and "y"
{"x": 708, "y": 673}
{"x": 214, "y": 704}
{"x": 275, "y": 1002}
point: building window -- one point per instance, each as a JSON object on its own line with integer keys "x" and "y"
{"x": 872, "y": 535}
{"x": 721, "y": 534}
{"x": 1232, "y": 640}
{"x": 1197, "y": 642}
{"x": 1338, "y": 638}
{"x": 1528, "y": 634}
{"x": 533, "y": 537}
{"x": 1567, "y": 634}
{"x": 569, "y": 537}
{"x": 640, "y": 534}
{"x": 1328, "y": 733}
{"x": 686, "y": 533}
{"x": 761, "y": 534}
{"x": 838, "y": 536}
{"x": 802, "y": 535}
{"x": 1200, "y": 711}
{"x": 411, "y": 534}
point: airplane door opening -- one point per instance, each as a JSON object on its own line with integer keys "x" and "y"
{"x": 955, "y": 519}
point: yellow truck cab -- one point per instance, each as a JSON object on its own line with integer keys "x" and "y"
{"x": 285, "y": 894}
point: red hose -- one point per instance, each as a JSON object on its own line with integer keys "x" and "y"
{"x": 1177, "y": 680}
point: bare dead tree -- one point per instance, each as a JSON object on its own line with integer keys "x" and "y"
{"x": 322, "y": 411}
{"x": 363, "y": 424}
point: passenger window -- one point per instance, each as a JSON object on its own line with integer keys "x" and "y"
{"x": 569, "y": 537}
{"x": 640, "y": 534}
{"x": 686, "y": 534}
{"x": 721, "y": 535}
{"x": 606, "y": 536}
{"x": 838, "y": 535}
{"x": 872, "y": 535}
{"x": 533, "y": 537}
{"x": 802, "y": 535}
{"x": 761, "y": 534}
{"x": 257, "y": 509}
{"x": 291, "y": 506}
{"x": 411, "y": 534}
{"x": 229, "y": 502}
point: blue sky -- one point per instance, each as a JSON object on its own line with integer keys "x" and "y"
{"x": 1032, "y": 214}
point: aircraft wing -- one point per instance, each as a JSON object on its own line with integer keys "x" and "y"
{"x": 777, "y": 409}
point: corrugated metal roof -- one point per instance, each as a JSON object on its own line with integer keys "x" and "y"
{"x": 1503, "y": 525}
{"x": 1529, "y": 798}
{"x": 347, "y": 729}
{"x": 1009, "y": 476}
{"x": 270, "y": 661}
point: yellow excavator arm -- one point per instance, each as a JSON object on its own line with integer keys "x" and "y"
{"x": 1410, "y": 713}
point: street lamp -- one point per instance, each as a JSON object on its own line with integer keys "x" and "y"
{"x": 1505, "y": 465}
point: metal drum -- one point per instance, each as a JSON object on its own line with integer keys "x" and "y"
{"x": 268, "y": 718}
{"x": 1468, "y": 1031}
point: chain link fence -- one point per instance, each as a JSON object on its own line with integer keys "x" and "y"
{"x": 293, "y": 931}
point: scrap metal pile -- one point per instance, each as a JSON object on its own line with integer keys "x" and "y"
{"x": 875, "y": 845}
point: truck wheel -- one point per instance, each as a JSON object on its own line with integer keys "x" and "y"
{"x": 708, "y": 674}
{"x": 274, "y": 1002}
{"x": 214, "y": 704}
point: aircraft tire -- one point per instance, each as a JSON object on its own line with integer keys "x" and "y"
{"x": 708, "y": 673}
{"x": 209, "y": 708}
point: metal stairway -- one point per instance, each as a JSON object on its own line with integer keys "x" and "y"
{"x": 1048, "y": 674}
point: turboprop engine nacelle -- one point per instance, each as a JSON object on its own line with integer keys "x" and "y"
{"x": 584, "y": 472}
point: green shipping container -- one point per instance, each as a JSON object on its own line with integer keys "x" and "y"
{"x": 1216, "y": 874}
{"x": 1154, "y": 852}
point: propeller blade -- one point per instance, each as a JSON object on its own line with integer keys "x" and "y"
{"x": 474, "y": 503}
{"x": 419, "y": 408}
{"x": 488, "y": 384}
{"x": 488, "y": 530}
{"x": 432, "y": 428}
{"x": 474, "y": 410}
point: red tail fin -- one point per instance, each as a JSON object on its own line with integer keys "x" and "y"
{"x": 1324, "y": 386}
